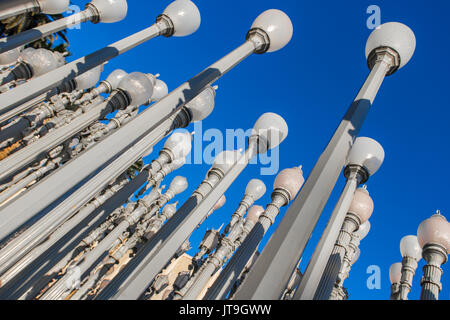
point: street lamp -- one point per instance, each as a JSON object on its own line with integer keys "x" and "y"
{"x": 253, "y": 192}
{"x": 164, "y": 26}
{"x": 389, "y": 48}
{"x": 268, "y": 132}
{"x": 395, "y": 276}
{"x": 365, "y": 158}
{"x": 359, "y": 212}
{"x": 106, "y": 11}
{"x": 13, "y": 8}
{"x": 434, "y": 238}
{"x": 286, "y": 186}
{"x": 411, "y": 253}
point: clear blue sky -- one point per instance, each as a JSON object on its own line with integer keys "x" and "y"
{"x": 311, "y": 83}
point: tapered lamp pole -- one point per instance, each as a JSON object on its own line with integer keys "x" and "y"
{"x": 389, "y": 48}
{"x": 365, "y": 159}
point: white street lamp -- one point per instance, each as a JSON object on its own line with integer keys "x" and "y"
{"x": 411, "y": 253}
{"x": 395, "y": 276}
{"x": 365, "y": 158}
{"x": 11, "y": 8}
{"x": 434, "y": 238}
{"x": 389, "y": 47}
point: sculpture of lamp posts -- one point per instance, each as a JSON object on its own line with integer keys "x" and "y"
{"x": 286, "y": 186}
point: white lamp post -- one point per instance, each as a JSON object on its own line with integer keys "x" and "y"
{"x": 11, "y": 8}
{"x": 389, "y": 48}
{"x": 411, "y": 253}
{"x": 365, "y": 158}
{"x": 434, "y": 238}
{"x": 395, "y": 276}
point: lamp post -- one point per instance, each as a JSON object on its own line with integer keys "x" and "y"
{"x": 434, "y": 238}
{"x": 411, "y": 253}
{"x": 180, "y": 18}
{"x": 268, "y": 132}
{"x": 96, "y": 11}
{"x": 286, "y": 186}
{"x": 389, "y": 48}
{"x": 395, "y": 275}
{"x": 254, "y": 191}
{"x": 176, "y": 147}
{"x": 365, "y": 158}
{"x": 359, "y": 212}
{"x": 11, "y": 8}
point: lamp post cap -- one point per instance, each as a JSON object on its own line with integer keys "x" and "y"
{"x": 110, "y": 11}
{"x": 53, "y": 6}
{"x": 179, "y": 143}
{"x": 115, "y": 77}
{"x": 395, "y": 272}
{"x": 278, "y": 27}
{"x": 272, "y": 129}
{"x": 178, "y": 185}
{"x": 394, "y": 35}
{"x": 367, "y": 153}
{"x": 435, "y": 229}
{"x": 202, "y": 105}
{"x": 255, "y": 189}
{"x": 138, "y": 86}
{"x": 254, "y": 213}
{"x": 184, "y": 16}
{"x": 226, "y": 159}
{"x": 290, "y": 180}
{"x": 362, "y": 205}
{"x": 410, "y": 247}
{"x": 160, "y": 90}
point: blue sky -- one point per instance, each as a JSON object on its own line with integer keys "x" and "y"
{"x": 311, "y": 83}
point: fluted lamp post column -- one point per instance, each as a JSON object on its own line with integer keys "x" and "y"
{"x": 434, "y": 238}
{"x": 11, "y": 8}
{"x": 365, "y": 158}
{"x": 411, "y": 253}
{"x": 395, "y": 276}
{"x": 180, "y": 18}
{"x": 360, "y": 210}
{"x": 388, "y": 49}
{"x": 286, "y": 186}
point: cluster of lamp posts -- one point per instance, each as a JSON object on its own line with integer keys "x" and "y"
{"x": 69, "y": 227}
